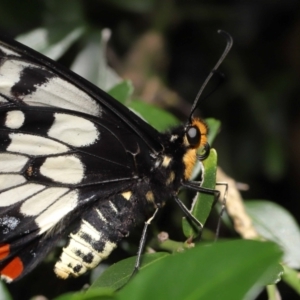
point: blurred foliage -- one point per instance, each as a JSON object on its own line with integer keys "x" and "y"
{"x": 167, "y": 48}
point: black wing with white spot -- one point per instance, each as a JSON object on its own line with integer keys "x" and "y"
{"x": 64, "y": 144}
{"x": 29, "y": 78}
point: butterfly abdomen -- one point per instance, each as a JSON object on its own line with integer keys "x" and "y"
{"x": 98, "y": 233}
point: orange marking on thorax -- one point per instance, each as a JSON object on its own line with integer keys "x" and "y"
{"x": 4, "y": 251}
{"x": 13, "y": 269}
{"x": 189, "y": 160}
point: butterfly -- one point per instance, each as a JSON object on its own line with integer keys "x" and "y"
{"x": 74, "y": 158}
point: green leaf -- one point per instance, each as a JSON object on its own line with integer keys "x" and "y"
{"x": 202, "y": 206}
{"x": 4, "y": 293}
{"x": 214, "y": 128}
{"x": 291, "y": 277}
{"x": 122, "y": 91}
{"x": 118, "y": 274}
{"x": 275, "y": 274}
{"x": 95, "y": 294}
{"x": 224, "y": 270}
{"x": 158, "y": 118}
{"x": 276, "y": 224}
{"x": 273, "y": 293}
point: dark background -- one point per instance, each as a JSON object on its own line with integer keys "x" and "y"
{"x": 168, "y": 48}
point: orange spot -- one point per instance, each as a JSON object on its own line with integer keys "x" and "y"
{"x": 13, "y": 269}
{"x": 4, "y": 251}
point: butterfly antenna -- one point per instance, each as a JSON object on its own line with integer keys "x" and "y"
{"x": 226, "y": 51}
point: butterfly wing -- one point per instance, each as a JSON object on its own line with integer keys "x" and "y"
{"x": 32, "y": 79}
{"x": 64, "y": 144}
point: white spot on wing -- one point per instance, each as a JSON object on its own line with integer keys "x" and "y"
{"x": 9, "y": 223}
{"x": 60, "y": 93}
{"x": 12, "y": 162}
{"x": 57, "y": 211}
{"x": 7, "y": 279}
{"x": 8, "y": 51}
{"x": 14, "y": 119}
{"x": 64, "y": 169}
{"x": 3, "y": 100}
{"x": 19, "y": 194}
{"x": 10, "y": 73}
{"x": 56, "y": 92}
{"x": 38, "y": 203}
{"x": 73, "y": 130}
{"x": 34, "y": 145}
{"x": 10, "y": 180}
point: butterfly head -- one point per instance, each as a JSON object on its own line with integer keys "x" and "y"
{"x": 196, "y": 134}
{"x": 195, "y": 138}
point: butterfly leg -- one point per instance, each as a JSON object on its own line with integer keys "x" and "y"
{"x": 142, "y": 243}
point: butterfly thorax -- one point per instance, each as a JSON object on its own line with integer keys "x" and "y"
{"x": 175, "y": 165}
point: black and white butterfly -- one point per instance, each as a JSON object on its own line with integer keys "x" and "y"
{"x": 71, "y": 154}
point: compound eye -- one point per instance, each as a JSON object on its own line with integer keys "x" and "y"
{"x": 193, "y": 135}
